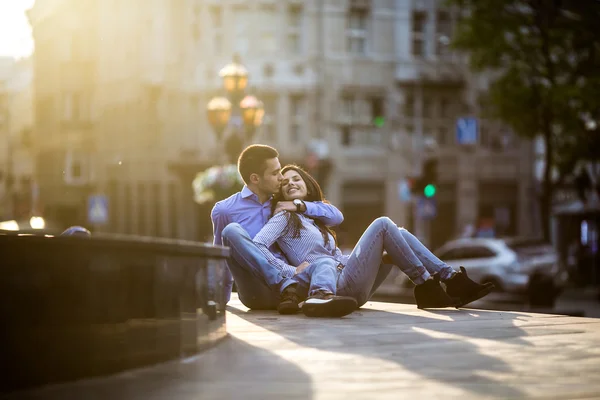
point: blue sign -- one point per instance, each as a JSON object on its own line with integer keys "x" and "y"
{"x": 426, "y": 208}
{"x": 404, "y": 191}
{"x": 466, "y": 131}
{"x": 98, "y": 210}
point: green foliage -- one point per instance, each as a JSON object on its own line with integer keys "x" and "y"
{"x": 545, "y": 57}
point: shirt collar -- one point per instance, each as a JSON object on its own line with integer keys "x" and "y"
{"x": 247, "y": 193}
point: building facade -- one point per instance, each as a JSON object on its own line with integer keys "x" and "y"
{"x": 121, "y": 90}
{"x": 16, "y": 122}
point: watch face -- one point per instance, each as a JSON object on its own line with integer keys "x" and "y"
{"x": 297, "y": 202}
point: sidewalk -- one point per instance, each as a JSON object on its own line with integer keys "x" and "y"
{"x": 382, "y": 351}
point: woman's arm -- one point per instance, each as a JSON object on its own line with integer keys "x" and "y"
{"x": 269, "y": 234}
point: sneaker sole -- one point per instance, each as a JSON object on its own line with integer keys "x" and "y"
{"x": 482, "y": 293}
{"x": 334, "y": 308}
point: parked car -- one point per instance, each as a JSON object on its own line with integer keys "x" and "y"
{"x": 520, "y": 266}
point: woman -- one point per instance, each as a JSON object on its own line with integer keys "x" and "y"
{"x": 304, "y": 240}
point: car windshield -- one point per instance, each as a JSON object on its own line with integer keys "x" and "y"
{"x": 529, "y": 247}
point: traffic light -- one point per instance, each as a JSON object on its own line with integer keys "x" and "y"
{"x": 378, "y": 112}
{"x": 426, "y": 184}
{"x": 430, "y": 177}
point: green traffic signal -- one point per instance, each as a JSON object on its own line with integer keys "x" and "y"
{"x": 429, "y": 190}
{"x": 379, "y": 121}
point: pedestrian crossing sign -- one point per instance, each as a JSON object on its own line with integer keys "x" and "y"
{"x": 98, "y": 210}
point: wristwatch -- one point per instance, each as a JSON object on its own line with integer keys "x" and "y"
{"x": 298, "y": 203}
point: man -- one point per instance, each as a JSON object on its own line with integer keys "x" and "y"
{"x": 237, "y": 219}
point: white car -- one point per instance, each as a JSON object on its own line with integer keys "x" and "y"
{"x": 514, "y": 265}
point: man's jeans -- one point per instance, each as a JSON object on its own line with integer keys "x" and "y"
{"x": 258, "y": 283}
{"x": 364, "y": 272}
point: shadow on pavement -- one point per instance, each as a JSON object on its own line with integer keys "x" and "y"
{"x": 434, "y": 348}
{"x": 232, "y": 370}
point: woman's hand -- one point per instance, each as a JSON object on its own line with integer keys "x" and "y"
{"x": 302, "y": 267}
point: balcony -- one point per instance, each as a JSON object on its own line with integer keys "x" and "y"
{"x": 448, "y": 70}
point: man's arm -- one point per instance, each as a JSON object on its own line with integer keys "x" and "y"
{"x": 268, "y": 235}
{"x": 219, "y": 221}
{"x": 325, "y": 212}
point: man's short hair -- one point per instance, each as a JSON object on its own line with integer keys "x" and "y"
{"x": 253, "y": 160}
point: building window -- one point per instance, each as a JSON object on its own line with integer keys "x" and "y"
{"x": 268, "y": 128}
{"x": 76, "y": 107}
{"x": 216, "y": 17}
{"x": 409, "y": 106}
{"x": 444, "y": 108}
{"x": 295, "y": 23}
{"x": 357, "y": 31}
{"x": 444, "y": 32}
{"x": 268, "y": 26}
{"x": 427, "y": 107}
{"x": 297, "y": 117}
{"x": 77, "y": 168}
{"x": 348, "y": 107}
{"x": 419, "y": 21}
{"x": 346, "y": 135}
{"x": 443, "y": 136}
{"x": 241, "y": 26}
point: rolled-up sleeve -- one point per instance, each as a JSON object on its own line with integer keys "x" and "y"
{"x": 268, "y": 235}
{"x": 325, "y": 212}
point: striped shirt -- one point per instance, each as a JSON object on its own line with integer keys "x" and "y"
{"x": 309, "y": 247}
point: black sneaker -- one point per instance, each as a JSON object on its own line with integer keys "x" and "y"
{"x": 461, "y": 287}
{"x": 328, "y": 305}
{"x": 431, "y": 294}
{"x": 289, "y": 301}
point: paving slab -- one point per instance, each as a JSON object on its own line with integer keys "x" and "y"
{"x": 383, "y": 350}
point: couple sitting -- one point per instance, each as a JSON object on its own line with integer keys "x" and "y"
{"x": 283, "y": 249}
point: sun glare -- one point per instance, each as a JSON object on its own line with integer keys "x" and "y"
{"x": 15, "y": 32}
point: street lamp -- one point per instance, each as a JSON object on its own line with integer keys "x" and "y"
{"x": 235, "y": 110}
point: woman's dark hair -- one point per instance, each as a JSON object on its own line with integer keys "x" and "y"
{"x": 313, "y": 193}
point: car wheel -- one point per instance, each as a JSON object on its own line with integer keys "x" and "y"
{"x": 542, "y": 292}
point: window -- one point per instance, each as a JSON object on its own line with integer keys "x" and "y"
{"x": 427, "y": 107}
{"x": 356, "y": 33}
{"x": 77, "y": 168}
{"x": 216, "y": 17}
{"x": 268, "y": 128}
{"x": 444, "y": 108}
{"x": 241, "y": 26}
{"x": 444, "y": 32}
{"x": 295, "y": 22}
{"x": 409, "y": 105}
{"x": 348, "y": 107}
{"x": 297, "y": 117}
{"x": 268, "y": 25}
{"x": 76, "y": 107}
{"x": 419, "y": 20}
{"x": 466, "y": 253}
{"x": 443, "y": 136}
{"x": 346, "y": 135}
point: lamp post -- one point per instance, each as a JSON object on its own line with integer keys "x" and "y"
{"x": 235, "y": 116}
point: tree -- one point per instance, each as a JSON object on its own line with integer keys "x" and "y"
{"x": 545, "y": 57}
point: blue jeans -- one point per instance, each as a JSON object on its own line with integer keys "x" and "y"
{"x": 321, "y": 275}
{"x": 258, "y": 283}
{"x": 364, "y": 271}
